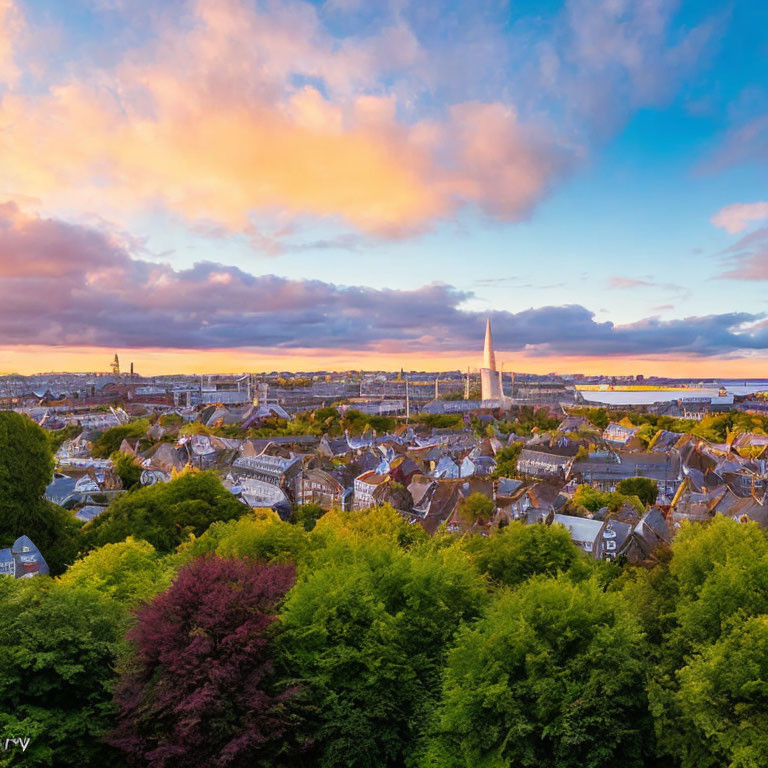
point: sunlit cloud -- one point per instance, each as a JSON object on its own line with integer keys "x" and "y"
{"x": 738, "y": 216}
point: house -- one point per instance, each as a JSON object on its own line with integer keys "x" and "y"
{"x": 606, "y": 469}
{"x": 333, "y": 447}
{"x": 271, "y": 470}
{"x": 316, "y": 486}
{"x": 23, "y": 560}
{"x": 530, "y": 503}
{"x": 618, "y": 435}
{"x": 369, "y": 489}
{"x": 585, "y": 533}
{"x": 546, "y": 462}
{"x": 435, "y": 504}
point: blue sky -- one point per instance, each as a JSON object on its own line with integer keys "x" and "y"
{"x": 607, "y": 156}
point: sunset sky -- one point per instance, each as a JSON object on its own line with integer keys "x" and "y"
{"x": 228, "y": 185}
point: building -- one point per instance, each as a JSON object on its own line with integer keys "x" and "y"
{"x": 490, "y": 380}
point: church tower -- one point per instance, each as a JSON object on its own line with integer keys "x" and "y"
{"x": 490, "y": 381}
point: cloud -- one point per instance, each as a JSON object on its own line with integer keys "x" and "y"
{"x": 66, "y": 285}
{"x": 737, "y": 217}
{"x": 229, "y": 111}
{"x": 629, "y": 282}
{"x": 626, "y": 283}
{"x": 745, "y": 142}
{"x": 232, "y": 110}
{"x": 11, "y": 24}
{"x": 747, "y": 258}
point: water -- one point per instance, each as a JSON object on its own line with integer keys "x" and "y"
{"x": 738, "y": 387}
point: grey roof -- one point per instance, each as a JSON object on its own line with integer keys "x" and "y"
{"x": 581, "y": 528}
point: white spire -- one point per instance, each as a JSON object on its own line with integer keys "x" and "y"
{"x": 489, "y": 359}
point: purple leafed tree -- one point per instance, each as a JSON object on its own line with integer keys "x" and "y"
{"x": 197, "y": 690}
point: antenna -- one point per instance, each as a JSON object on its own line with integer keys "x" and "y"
{"x": 466, "y": 386}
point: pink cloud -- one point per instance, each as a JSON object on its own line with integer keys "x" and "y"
{"x": 208, "y": 120}
{"x": 11, "y": 24}
{"x": 737, "y": 217}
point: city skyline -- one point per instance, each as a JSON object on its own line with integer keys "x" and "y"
{"x": 234, "y": 185}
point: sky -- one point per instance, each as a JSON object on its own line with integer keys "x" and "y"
{"x": 232, "y": 185}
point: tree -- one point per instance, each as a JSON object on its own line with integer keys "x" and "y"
{"x": 506, "y": 460}
{"x": 476, "y": 508}
{"x": 127, "y": 470}
{"x": 366, "y": 631}
{"x": 26, "y": 469}
{"x": 724, "y": 698}
{"x": 552, "y": 676}
{"x": 644, "y": 488}
{"x": 259, "y": 535}
{"x": 165, "y": 514}
{"x": 593, "y": 500}
{"x": 58, "y": 644}
{"x": 109, "y": 442}
{"x": 518, "y": 551}
{"x": 128, "y": 572}
{"x": 307, "y": 515}
{"x": 719, "y": 572}
{"x": 381, "y": 522}
{"x": 198, "y": 687}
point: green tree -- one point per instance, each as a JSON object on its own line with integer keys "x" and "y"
{"x": 593, "y": 500}
{"x": 165, "y": 514}
{"x": 506, "y": 460}
{"x": 259, "y": 535}
{"x": 382, "y": 522}
{"x": 109, "y": 442}
{"x": 127, "y": 470}
{"x": 128, "y": 572}
{"x": 518, "y": 551}
{"x": 476, "y": 508}
{"x": 643, "y": 487}
{"x": 552, "y": 676}
{"x": 58, "y": 644}
{"x": 26, "y": 468}
{"x": 307, "y": 515}
{"x": 723, "y": 696}
{"x": 365, "y": 635}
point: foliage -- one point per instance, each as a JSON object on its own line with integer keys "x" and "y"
{"x": 307, "y": 515}
{"x": 524, "y": 419}
{"x": 724, "y": 698}
{"x": 593, "y": 500}
{"x": 439, "y": 420}
{"x": 506, "y": 460}
{"x": 110, "y": 441}
{"x": 58, "y": 644}
{"x": 128, "y": 572}
{"x": 476, "y": 508}
{"x": 382, "y": 522}
{"x": 198, "y": 688}
{"x": 259, "y": 535}
{"x": 166, "y": 513}
{"x": 26, "y": 468}
{"x": 126, "y": 469}
{"x": 56, "y": 437}
{"x": 366, "y": 633}
{"x": 552, "y": 676}
{"x": 644, "y": 488}
{"x": 516, "y": 552}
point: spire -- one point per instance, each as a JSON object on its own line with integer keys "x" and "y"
{"x": 489, "y": 359}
